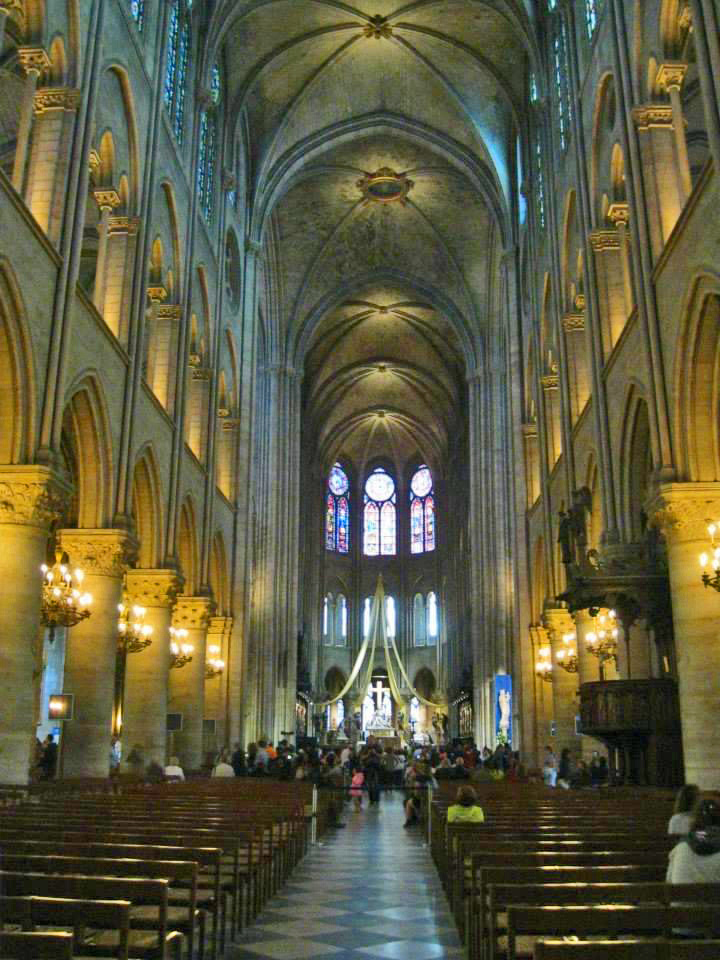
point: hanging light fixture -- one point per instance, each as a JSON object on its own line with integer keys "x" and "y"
{"x": 133, "y": 633}
{"x": 180, "y": 650}
{"x": 63, "y": 603}
{"x": 712, "y": 560}
{"x": 543, "y": 666}
{"x": 566, "y": 656}
{"x": 214, "y": 666}
{"x": 602, "y": 642}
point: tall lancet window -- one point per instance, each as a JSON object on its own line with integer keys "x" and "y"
{"x": 137, "y": 12}
{"x": 380, "y": 527}
{"x": 337, "y": 511}
{"x": 422, "y": 511}
{"x": 207, "y": 158}
{"x": 176, "y": 64}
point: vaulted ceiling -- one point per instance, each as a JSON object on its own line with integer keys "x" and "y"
{"x": 383, "y": 303}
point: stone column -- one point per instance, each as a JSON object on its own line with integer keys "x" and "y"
{"x": 29, "y": 501}
{"x": 564, "y": 684}
{"x": 145, "y": 707}
{"x": 35, "y": 62}
{"x": 682, "y": 511}
{"x": 611, "y": 291}
{"x": 670, "y": 77}
{"x": 218, "y": 635}
{"x": 92, "y": 649}
{"x": 663, "y": 193}
{"x": 588, "y": 671}
{"x": 187, "y": 685}
{"x": 107, "y": 200}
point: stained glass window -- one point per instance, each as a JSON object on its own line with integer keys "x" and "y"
{"x": 559, "y": 96}
{"x": 390, "y": 617}
{"x": 533, "y": 88}
{"x": 341, "y": 621}
{"x": 591, "y": 16}
{"x": 367, "y": 610}
{"x": 215, "y": 84}
{"x": 340, "y": 713}
{"x": 422, "y": 511}
{"x": 326, "y": 618}
{"x": 337, "y": 511}
{"x": 419, "y": 620}
{"x": 380, "y": 533}
{"x": 432, "y": 620}
{"x": 178, "y": 50}
{"x": 137, "y": 12}
{"x": 540, "y": 181}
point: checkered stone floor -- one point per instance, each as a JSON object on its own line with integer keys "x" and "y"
{"x": 369, "y": 891}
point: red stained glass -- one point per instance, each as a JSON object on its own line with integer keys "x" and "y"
{"x": 416, "y": 526}
{"x": 371, "y": 544}
{"x": 330, "y": 523}
{"x": 429, "y": 523}
{"x": 387, "y": 523}
{"x": 343, "y": 512}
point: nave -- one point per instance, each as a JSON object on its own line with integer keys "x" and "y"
{"x": 370, "y": 890}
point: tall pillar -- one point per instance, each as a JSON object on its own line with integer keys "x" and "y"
{"x": 29, "y": 501}
{"x": 187, "y": 685}
{"x": 218, "y": 635}
{"x": 587, "y": 670}
{"x": 35, "y": 62}
{"x": 670, "y": 77}
{"x": 564, "y": 684}
{"x": 145, "y": 703}
{"x": 92, "y": 649}
{"x": 682, "y": 511}
{"x": 107, "y": 200}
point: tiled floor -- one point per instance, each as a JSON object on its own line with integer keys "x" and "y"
{"x": 369, "y": 891}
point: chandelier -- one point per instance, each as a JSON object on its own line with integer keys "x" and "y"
{"x": 180, "y": 650}
{"x": 62, "y": 603}
{"x": 711, "y": 580}
{"x": 566, "y": 656}
{"x": 214, "y": 666}
{"x": 543, "y": 666}
{"x": 602, "y": 642}
{"x": 133, "y": 632}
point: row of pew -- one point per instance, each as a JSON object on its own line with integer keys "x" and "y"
{"x": 166, "y": 871}
{"x": 579, "y": 875}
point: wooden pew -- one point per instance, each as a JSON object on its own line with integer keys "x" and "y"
{"x": 157, "y": 943}
{"x": 502, "y": 896}
{"x": 36, "y": 946}
{"x": 628, "y": 950}
{"x": 82, "y": 916}
{"x": 616, "y": 920}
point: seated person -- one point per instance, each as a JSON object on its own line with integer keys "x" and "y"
{"x": 465, "y": 808}
{"x": 679, "y": 825}
{"x": 173, "y": 770}
{"x": 223, "y": 767}
{"x": 696, "y": 859}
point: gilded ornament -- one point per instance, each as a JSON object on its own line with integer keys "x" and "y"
{"x": 56, "y": 98}
{"x": 378, "y": 28}
{"x": 385, "y": 186}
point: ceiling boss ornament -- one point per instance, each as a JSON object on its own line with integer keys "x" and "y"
{"x": 385, "y": 186}
{"x": 378, "y": 28}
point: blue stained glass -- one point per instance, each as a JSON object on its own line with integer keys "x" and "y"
{"x": 330, "y": 523}
{"x": 232, "y": 197}
{"x": 591, "y": 16}
{"x": 137, "y": 12}
{"x": 559, "y": 80}
{"x": 342, "y": 525}
{"x": 422, "y": 511}
{"x": 215, "y": 84}
{"x": 171, "y": 64}
{"x": 202, "y": 159}
{"x": 210, "y": 175}
{"x": 182, "y": 62}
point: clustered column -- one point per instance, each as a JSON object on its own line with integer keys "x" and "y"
{"x": 564, "y": 684}
{"x": 91, "y": 656}
{"x": 187, "y": 685}
{"x": 29, "y": 501}
{"x": 145, "y": 705}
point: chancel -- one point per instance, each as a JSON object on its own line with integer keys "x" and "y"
{"x": 359, "y": 367}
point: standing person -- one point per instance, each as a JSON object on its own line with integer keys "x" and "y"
{"x": 48, "y": 761}
{"x": 356, "y": 788}
{"x": 696, "y": 859}
{"x": 564, "y": 770}
{"x": 550, "y": 767}
{"x": 372, "y": 777}
{"x": 223, "y": 768}
{"x": 238, "y": 761}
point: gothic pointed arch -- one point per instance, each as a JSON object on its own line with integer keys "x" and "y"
{"x": 87, "y": 440}
{"x": 188, "y": 547}
{"x": 146, "y": 509}
{"x": 17, "y": 386}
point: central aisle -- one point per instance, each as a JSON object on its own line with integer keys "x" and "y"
{"x": 371, "y": 890}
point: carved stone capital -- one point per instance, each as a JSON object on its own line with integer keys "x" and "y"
{"x": 101, "y": 553}
{"x": 550, "y": 381}
{"x": 558, "y": 621}
{"x": 229, "y": 424}
{"x": 193, "y": 613}
{"x": 34, "y": 60}
{"x": 157, "y": 293}
{"x": 118, "y": 226}
{"x": 107, "y": 199}
{"x": 579, "y": 301}
{"x": 652, "y": 115}
{"x": 573, "y": 322}
{"x": 530, "y": 431}
{"x": 168, "y": 311}
{"x": 254, "y": 248}
{"x": 670, "y": 75}
{"x": 619, "y": 213}
{"x": 683, "y": 510}
{"x": 56, "y": 98}
{"x": 602, "y": 240}
{"x": 31, "y": 495}
{"x": 229, "y": 181}
{"x": 94, "y": 160}
{"x": 153, "y": 588}
{"x": 219, "y": 627}
{"x": 14, "y": 9}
